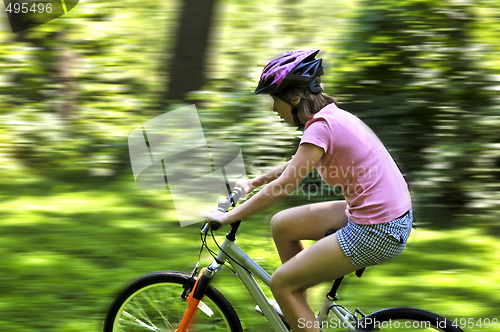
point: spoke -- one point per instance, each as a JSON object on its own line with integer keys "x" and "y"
{"x": 155, "y": 307}
{"x": 159, "y": 308}
{"x": 137, "y": 307}
{"x": 140, "y": 323}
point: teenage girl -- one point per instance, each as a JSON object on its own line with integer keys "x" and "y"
{"x": 373, "y": 223}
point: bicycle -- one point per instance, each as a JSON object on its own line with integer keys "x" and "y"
{"x": 171, "y": 300}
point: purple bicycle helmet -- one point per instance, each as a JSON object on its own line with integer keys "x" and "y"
{"x": 293, "y": 68}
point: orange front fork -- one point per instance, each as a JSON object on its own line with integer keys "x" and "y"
{"x": 192, "y": 308}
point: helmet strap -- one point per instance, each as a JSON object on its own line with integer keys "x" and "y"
{"x": 296, "y": 117}
{"x": 295, "y": 112}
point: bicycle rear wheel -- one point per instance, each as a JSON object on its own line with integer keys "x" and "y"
{"x": 395, "y": 319}
{"x": 153, "y": 303}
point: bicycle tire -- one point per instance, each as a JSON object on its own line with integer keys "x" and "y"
{"x": 153, "y": 303}
{"x": 408, "y": 318}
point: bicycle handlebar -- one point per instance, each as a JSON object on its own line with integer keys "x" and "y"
{"x": 225, "y": 204}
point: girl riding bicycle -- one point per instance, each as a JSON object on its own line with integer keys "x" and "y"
{"x": 372, "y": 224}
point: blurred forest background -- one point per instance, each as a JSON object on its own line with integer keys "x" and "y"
{"x": 74, "y": 229}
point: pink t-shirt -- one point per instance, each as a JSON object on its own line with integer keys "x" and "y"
{"x": 356, "y": 160}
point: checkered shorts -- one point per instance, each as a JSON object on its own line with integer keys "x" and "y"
{"x": 374, "y": 244}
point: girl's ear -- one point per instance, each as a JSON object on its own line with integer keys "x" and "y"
{"x": 296, "y": 101}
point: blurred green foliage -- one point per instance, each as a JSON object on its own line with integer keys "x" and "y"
{"x": 68, "y": 249}
{"x": 75, "y": 228}
{"x": 73, "y": 89}
{"x": 412, "y": 70}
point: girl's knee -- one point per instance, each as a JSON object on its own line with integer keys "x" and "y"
{"x": 281, "y": 284}
{"x": 278, "y": 224}
{"x": 277, "y": 282}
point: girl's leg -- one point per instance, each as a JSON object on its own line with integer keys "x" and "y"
{"x": 301, "y": 269}
{"x": 322, "y": 261}
{"x": 308, "y": 222}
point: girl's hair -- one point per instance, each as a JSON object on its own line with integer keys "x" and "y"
{"x": 310, "y": 103}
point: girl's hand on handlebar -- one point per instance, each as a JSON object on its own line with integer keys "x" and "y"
{"x": 218, "y": 217}
{"x": 246, "y": 184}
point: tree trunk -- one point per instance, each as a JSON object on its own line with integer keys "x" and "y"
{"x": 63, "y": 76}
{"x": 187, "y": 67}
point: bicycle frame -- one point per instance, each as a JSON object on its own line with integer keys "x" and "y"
{"x": 235, "y": 253}
{"x": 345, "y": 316}
{"x": 196, "y": 288}
{"x": 236, "y": 256}
{"x": 246, "y": 268}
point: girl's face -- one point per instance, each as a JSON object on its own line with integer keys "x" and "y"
{"x": 283, "y": 109}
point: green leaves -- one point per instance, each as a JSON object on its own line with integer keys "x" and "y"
{"x": 419, "y": 84}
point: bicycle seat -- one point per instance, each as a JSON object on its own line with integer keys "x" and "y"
{"x": 359, "y": 272}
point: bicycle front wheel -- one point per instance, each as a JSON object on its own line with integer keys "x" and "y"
{"x": 395, "y": 319}
{"x": 154, "y": 303}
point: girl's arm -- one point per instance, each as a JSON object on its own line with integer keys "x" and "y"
{"x": 293, "y": 173}
{"x": 251, "y": 184}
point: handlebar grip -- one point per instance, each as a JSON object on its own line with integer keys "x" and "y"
{"x": 215, "y": 225}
